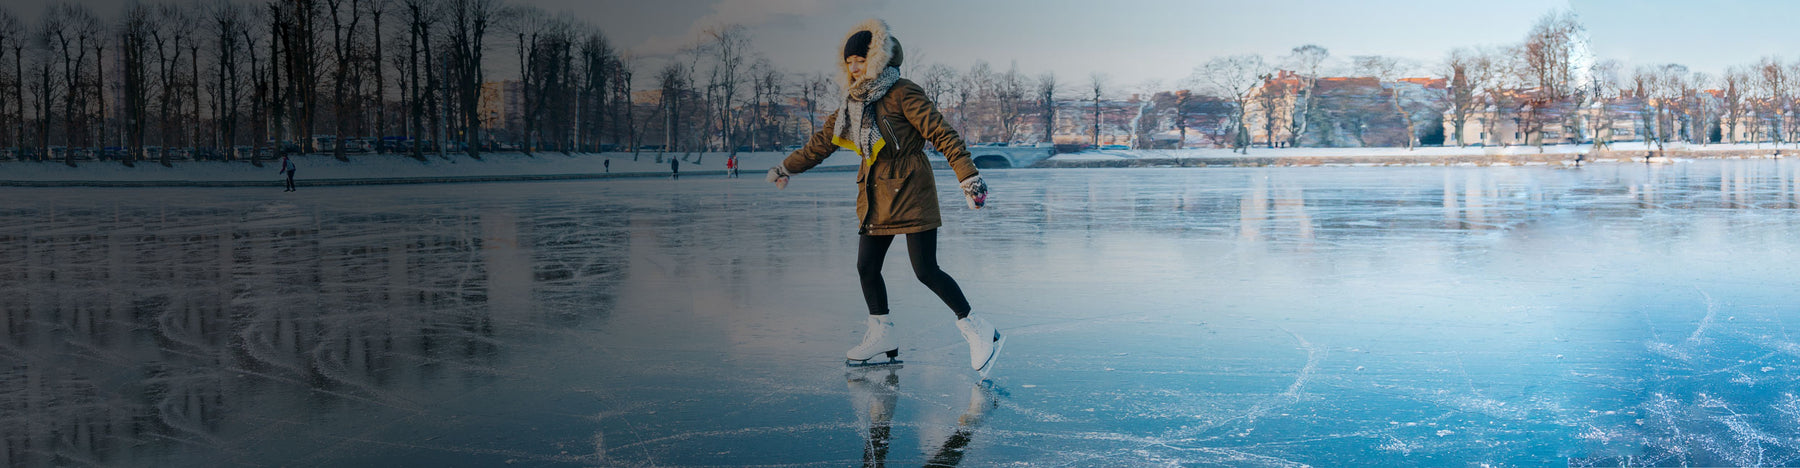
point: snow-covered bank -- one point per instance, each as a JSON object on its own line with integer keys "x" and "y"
{"x": 1473, "y": 155}
{"x": 389, "y": 169}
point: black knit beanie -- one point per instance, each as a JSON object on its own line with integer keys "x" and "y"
{"x": 858, "y": 45}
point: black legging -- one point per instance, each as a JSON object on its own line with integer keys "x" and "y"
{"x": 922, "y": 248}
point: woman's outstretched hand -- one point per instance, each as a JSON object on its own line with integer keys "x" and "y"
{"x": 779, "y": 176}
{"x": 976, "y": 191}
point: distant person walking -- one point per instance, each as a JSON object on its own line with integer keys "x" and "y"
{"x": 887, "y": 120}
{"x": 287, "y": 167}
{"x": 608, "y": 164}
{"x": 731, "y": 165}
{"x": 674, "y": 168}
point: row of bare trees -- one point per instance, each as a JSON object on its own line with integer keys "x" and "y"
{"x": 214, "y": 78}
{"x": 228, "y": 80}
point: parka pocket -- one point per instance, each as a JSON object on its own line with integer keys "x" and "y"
{"x": 894, "y": 201}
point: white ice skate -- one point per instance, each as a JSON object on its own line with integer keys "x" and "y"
{"x": 984, "y": 343}
{"x": 878, "y": 341}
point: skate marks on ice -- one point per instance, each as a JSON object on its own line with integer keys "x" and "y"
{"x": 699, "y": 326}
{"x": 1721, "y": 394}
{"x": 228, "y": 328}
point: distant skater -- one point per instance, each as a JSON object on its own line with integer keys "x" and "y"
{"x": 731, "y": 165}
{"x": 887, "y": 120}
{"x": 287, "y": 167}
{"x": 674, "y": 168}
{"x": 608, "y": 165}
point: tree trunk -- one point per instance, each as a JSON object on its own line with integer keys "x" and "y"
{"x": 380, "y": 87}
{"x": 1406, "y": 119}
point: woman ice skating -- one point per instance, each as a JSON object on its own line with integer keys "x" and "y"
{"x": 886, "y": 120}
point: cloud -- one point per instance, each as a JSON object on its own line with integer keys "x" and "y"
{"x": 747, "y": 13}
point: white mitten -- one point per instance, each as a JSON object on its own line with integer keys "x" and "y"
{"x": 779, "y": 176}
{"x": 976, "y": 191}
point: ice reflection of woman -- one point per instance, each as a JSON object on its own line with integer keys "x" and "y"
{"x": 887, "y": 120}
{"x": 874, "y": 395}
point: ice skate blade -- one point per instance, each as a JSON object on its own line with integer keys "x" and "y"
{"x": 988, "y": 367}
{"x": 872, "y": 363}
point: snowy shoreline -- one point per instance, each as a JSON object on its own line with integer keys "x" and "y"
{"x": 379, "y": 169}
{"x": 1554, "y": 155}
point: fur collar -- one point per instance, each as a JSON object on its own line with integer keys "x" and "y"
{"x": 883, "y": 49}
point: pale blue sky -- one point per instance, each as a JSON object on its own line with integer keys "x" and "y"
{"x": 1135, "y": 41}
{"x": 1138, "y": 40}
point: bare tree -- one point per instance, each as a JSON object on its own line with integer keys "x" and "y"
{"x": 976, "y": 93}
{"x": 73, "y": 28}
{"x": 1388, "y": 71}
{"x": 1046, "y": 101}
{"x": 1236, "y": 79}
{"x": 1773, "y": 81}
{"x": 423, "y": 83}
{"x": 1468, "y": 71}
{"x": 622, "y": 69}
{"x": 1144, "y": 121}
{"x": 1271, "y": 98}
{"x": 260, "y": 81}
{"x": 939, "y": 82}
{"x": 378, "y": 8}
{"x": 598, "y": 61}
{"x": 1184, "y": 103}
{"x": 533, "y": 29}
{"x": 13, "y": 37}
{"x": 1697, "y": 112}
{"x": 1010, "y": 93}
{"x": 1605, "y": 88}
{"x": 228, "y": 30}
{"x": 1306, "y": 60}
{"x": 1663, "y": 86}
{"x": 673, "y": 85}
{"x": 469, "y": 21}
{"x": 43, "y": 88}
{"x": 818, "y": 90}
{"x": 1097, "y": 82}
{"x": 134, "y": 50}
{"x": 730, "y": 45}
{"x": 1504, "y": 100}
{"x": 1549, "y": 58}
{"x": 343, "y": 37}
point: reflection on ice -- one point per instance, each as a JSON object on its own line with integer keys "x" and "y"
{"x": 874, "y": 393}
{"x": 1609, "y": 315}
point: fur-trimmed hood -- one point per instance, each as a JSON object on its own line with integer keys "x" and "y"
{"x": 883, "y": 48}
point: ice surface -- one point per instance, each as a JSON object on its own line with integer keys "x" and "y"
{"x": 1518, "y": 316}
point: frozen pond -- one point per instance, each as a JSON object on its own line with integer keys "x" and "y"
{"x": 1523, "y": 316}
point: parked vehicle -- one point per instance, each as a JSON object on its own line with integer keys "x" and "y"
{"x": 358, "y": 145}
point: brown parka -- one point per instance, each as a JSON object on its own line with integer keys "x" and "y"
{"x": 897, "y": 190}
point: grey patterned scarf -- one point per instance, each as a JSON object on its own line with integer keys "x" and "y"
{"x": 856, "y": 119}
